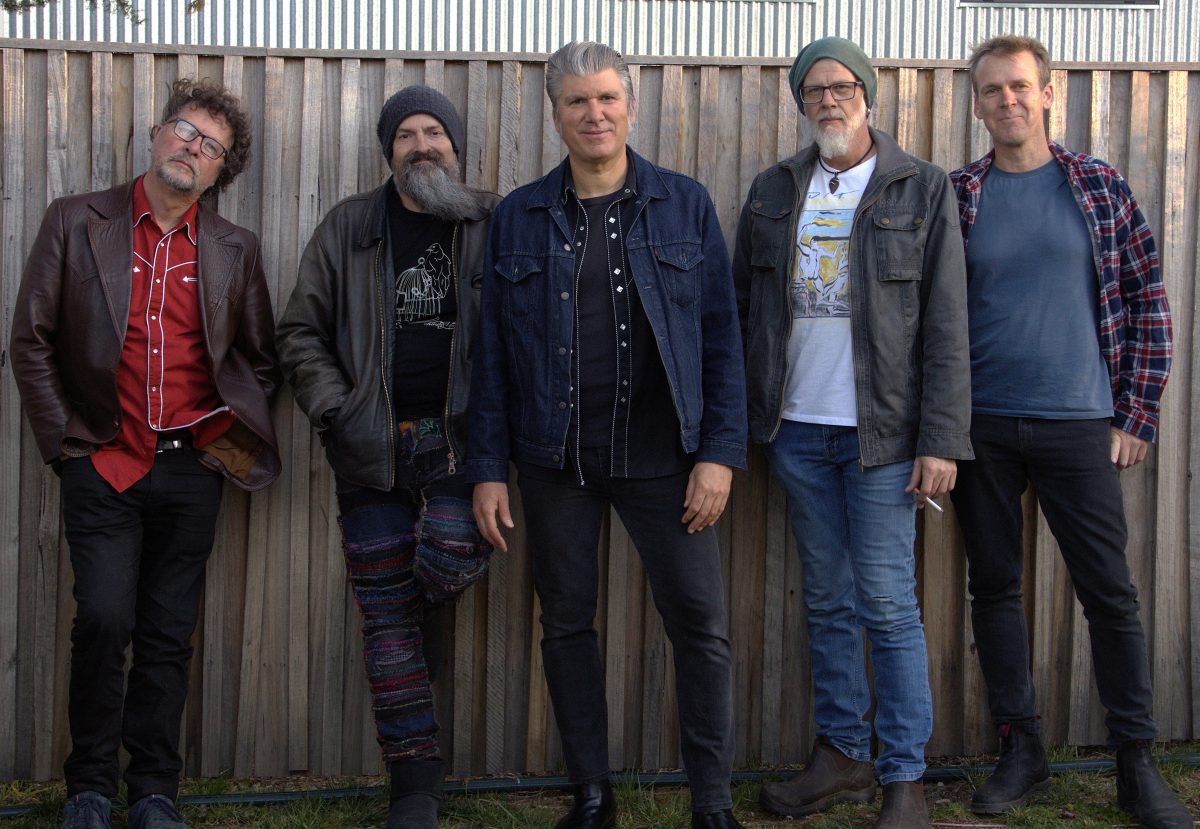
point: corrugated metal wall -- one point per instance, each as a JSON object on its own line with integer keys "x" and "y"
{"x": 888, "y": 29}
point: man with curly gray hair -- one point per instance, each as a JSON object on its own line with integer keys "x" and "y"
{"x": 143, "y": 345}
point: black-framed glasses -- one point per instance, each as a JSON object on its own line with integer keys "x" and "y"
{"x": 841, "y": 91}
{"x": 188, "y": 133}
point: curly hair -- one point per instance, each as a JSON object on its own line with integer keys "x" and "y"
{"x": 219, "y": 102}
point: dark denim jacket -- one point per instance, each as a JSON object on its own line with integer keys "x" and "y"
{"x": 520, "y": 391}
{"x": 908, "y": 298}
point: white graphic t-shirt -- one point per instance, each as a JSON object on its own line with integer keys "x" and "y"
{"x": 820, "y": 378}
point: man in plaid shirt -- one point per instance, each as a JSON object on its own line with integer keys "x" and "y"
{"x": 1070, "y": 349}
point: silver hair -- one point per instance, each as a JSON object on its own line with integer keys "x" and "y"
{"x": 580, "y": 58}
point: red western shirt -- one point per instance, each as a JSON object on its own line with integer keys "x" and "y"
{"x": 164, "y": 380}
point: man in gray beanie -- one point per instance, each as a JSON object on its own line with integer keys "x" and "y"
{"x": 395, "y": 436}
{"x": 859, "y": 385}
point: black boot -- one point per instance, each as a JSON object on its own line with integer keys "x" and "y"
{"x": 1020, "y": 772}
{"x": 1143, "y": 793}
{"x": 594, "y": 807}
{"x": 416, "y": 794}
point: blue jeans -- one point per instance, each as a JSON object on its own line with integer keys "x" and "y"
{"x": 855, "y": 529}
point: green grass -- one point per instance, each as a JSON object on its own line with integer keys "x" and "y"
{"x": 1075, "y": 800}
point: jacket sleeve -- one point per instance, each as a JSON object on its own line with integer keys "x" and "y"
{"x": 487, "y": 412}
{"x": 255, "y": 337}
{"x": 306, "y": 335}
{"x": 1146, "y": 357}
{"x": 742, "y": 273}
{"x": 34, "y": 329}
{"x": 945, "y": 425}
{"x": 723, "y": 372}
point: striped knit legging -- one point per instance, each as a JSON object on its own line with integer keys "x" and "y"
{"x": 407, "y": 551}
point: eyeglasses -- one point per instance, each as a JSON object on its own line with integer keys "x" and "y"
{"x": 843, "y": 91}
{"x": 188, "y": 133}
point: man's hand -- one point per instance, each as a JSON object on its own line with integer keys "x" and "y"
{"x": 932, "y": 478}
{"x": 489, "y": 503}
{"x": 707, "y": 494}
{"x": 1127, "y": 450}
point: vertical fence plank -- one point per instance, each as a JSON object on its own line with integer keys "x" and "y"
{"x": 12, "y": 231}
{"x": 1171, "y": 637}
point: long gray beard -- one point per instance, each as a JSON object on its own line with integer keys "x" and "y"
{"x": 436, "y": 192}
{"x": 832, "y": 144}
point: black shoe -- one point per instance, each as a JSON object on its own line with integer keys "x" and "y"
{"x": 715, "y": 820}
{"x": 1020, "y": 772}
{"x": 155, "y": 811}
{"x": 87, "y": 810}
{"x": 1143, "y": 793}
{"x": 594, "y": 807}
{"x": 416, "y": 793}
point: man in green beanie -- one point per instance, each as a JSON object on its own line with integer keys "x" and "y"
{"x": 859, "y": 385}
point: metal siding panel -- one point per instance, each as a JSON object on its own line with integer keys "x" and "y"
{"x": 887, "y": 29}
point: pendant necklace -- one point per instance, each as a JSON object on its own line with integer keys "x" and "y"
{"x": 833, "y": 182}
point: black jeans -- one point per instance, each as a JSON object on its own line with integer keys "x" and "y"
{"x": 1077, "y": 486}
{"x": 138, "y": 558}
{"x": 684, "y": 571}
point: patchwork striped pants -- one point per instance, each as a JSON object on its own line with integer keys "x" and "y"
{"x": 407, "y": 551}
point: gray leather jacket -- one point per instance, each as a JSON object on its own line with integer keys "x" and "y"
{"x": 336, "y": 336}
{"x": 908, "y": 314}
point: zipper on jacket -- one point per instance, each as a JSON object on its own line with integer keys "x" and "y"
{"x": 451, "y": 455}
{"x": 387, "y": 396}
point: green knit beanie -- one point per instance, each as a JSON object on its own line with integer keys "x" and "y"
{"x": 845, "y": 52}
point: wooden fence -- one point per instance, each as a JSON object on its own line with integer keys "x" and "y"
{"x": 277, "y": 681}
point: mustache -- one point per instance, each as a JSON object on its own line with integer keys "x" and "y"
{"x": 185, "y": 158}
{"x": 428, "y": 155}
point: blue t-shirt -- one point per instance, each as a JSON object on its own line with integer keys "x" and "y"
{"x": 1033, "y": 301}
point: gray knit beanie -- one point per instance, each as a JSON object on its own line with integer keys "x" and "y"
{"x": 845, "y": 52}
{"x": 411, "y": 100}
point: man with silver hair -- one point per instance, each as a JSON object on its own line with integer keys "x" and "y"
{"x": 376, "y": 342}
{"x": 852, "y": 293}
{"x": 610, "y": 371}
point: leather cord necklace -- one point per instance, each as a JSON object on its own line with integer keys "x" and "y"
{"x": 833, "y": 182}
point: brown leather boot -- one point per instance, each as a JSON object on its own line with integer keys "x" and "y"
{"x": 903, "y": 807}
{"x": 830, "y": 777}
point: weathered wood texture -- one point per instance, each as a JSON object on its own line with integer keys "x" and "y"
{"x": 277, "y": 682}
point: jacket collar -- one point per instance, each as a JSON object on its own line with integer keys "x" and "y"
{"x": 549, "y": 191}
{"x": 890, "y": 160}
{"x": 375, "y": 217}
{"x": 110, "y": 234}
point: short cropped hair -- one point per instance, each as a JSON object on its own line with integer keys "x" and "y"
{"x": 218, "y": 102}
{"x": 1008, "y": 45}
{"x": 584, "y": 58}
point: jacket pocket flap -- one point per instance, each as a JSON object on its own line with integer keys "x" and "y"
{"x": 681, "y": 255}
{"x": 899, "y": 220}
{"x": 770, "y": 209}
{"x": 516, "y": 267}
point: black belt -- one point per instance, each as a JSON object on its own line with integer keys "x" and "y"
{"x": 172, "y": 441}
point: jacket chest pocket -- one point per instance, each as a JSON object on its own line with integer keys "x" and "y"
{"x": 769, "y": 232}
{"x": 900, "y": 244}
{"x": 524, "y": 284}
{"x": 679, "y": 269}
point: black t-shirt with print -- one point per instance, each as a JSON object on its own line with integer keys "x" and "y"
{"x": 426, "y": 309}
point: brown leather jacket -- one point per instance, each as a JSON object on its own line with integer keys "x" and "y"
{"x": 73, "y": 309}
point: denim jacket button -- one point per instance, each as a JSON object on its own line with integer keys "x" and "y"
{"x": 562, "y": 404}
{"x": 564, "y": 295}
{"x": 566, "y": 246}
{"x": 561, "y": 350}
